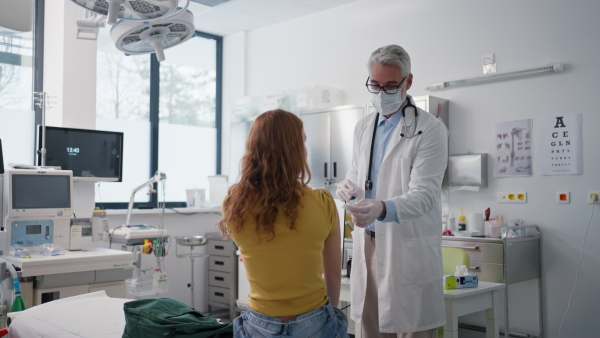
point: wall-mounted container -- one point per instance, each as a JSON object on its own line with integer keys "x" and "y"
{"x": 467, "y": 171}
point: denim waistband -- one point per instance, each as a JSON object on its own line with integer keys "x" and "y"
{"x": 300, "y": 323}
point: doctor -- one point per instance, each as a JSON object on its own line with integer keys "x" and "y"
{"x": 399, "y": 158}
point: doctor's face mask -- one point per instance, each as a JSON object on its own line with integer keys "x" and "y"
{"x": 385, "y": 103}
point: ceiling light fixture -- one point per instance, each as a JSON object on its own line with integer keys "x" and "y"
{"x": 211, "y": 3}
{"x": 134, "y": 38}
{"x": 133, "y": 9}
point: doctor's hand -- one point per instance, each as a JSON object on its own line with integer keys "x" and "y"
{"x": 365, "y": 211}
{"x": 346, "y": 190}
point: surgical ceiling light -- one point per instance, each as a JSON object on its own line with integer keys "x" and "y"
{"x": 134, "y": 38}
{"x": 492, "y": 77}
{"x": 211, "y": 3}
{"x": 132, "y": 9}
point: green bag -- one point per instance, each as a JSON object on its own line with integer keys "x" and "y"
{"x": 165, "y": 317}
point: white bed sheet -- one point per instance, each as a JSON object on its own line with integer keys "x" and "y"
{"x": 89, "y": 315}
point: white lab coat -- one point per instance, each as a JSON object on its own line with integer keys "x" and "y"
{"x": 409, "y": 260}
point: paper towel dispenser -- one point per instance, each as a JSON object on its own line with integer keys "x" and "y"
{"x": 468, "y": 172}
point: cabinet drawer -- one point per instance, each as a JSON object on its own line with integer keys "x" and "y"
{"x": 219, "y": 295}
{"x": 220, "y": 263}
{"x": 219, "y": 278}
{"x": 487, "y": 272}
{"x": 480, "y": 252}
{"x": 221, "y": 248}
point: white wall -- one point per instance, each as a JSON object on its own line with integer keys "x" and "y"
{"x": 447, "y": 41}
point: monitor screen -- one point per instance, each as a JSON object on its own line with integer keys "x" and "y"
{"x": 88, "y": 153}
{"x": 41, "y": 191}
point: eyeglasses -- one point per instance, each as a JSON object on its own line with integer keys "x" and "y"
{"x": 373, "y": 88}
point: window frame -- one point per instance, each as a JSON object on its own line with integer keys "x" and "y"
{"x": 154, "y": 125}
{"x": 38, "y": 64}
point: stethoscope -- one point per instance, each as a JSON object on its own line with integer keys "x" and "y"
{"x": 403, "y": 126}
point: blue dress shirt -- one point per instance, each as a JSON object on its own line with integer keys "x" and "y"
{"x": 385, "y": 129}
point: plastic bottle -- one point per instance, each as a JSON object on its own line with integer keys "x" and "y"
{"x": 462, "y": 221}
{"x": 452, "y": 224}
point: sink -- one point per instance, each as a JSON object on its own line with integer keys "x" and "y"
{"x": 191, "y": 240}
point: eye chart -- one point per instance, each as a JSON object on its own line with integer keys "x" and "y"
{"x": 514, "y": 148}
{"x": 561, "y": 147}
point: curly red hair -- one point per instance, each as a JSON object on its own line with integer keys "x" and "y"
{"x": 274, "y": 173}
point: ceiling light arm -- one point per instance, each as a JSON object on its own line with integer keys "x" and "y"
{"x": 179, "y": 10}
{"x": 159, "y": 176}
{"x": 547, "y": 69}
{"x": 113, "y": 10}
{"x": 88, "y": 26}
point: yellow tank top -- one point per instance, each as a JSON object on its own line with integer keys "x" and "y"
{"x": 286, "y": 273}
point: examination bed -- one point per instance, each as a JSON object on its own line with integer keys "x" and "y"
{"x": 88, "y": 315}
{"x": 97, "y": 315}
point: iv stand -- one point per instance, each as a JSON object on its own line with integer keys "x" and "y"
{"x": 41, "y": 100}
{"x": 159, "y": 176}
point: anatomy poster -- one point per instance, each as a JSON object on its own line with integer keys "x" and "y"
{"x": 514, "y": 149}
{"x": 561, "y": 147}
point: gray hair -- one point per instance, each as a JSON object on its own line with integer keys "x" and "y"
{"x": 391, "y": 55}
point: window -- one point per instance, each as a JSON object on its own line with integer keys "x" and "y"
{"x": 187, "y": 151}
{"x": 169, "y": 112}
{"x": 123, "y": 104}
{"x": 17, "y": 117}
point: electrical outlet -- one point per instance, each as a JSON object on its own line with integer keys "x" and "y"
{"x": 512, "y": 197}
{"x": 593, "y": 197}
{"x": 563, "y": 197}
{"x": 521, "y": 197}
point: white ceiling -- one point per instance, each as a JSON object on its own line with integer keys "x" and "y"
{"x": 239, "y": 15}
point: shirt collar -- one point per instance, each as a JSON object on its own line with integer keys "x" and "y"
{"x": 394, "y": 119}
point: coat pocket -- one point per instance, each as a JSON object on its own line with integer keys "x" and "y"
{"x": 420, "y": 264}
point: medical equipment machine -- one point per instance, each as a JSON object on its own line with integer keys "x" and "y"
{"x": 191, "y": 242}
{"x": 37, "y": 206}
{"x": 36, "y": 234}
{"x": 135, "y": 234}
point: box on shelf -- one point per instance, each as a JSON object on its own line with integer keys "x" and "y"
{"x": 315, "y": 97}
{"x": 459, "y": 282}
{"x": 245, "y": 108}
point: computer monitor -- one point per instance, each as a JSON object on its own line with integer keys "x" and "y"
{"x": 38, "y": 193}
{"x": 93, "y": 154}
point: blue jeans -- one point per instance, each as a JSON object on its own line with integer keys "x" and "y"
{"x": 326, "y": 321}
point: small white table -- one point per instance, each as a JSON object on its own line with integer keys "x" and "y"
{"x": 459, "y": 302}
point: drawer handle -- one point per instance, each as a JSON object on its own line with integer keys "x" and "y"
{"x": 219, "y": 294}
{"x": 462, "y": 247}
{"x": 219, "y": 247}
{"x": 474, "y": 268}
{"x": 219, "y": 263}
{"x": 219, "y": 279}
